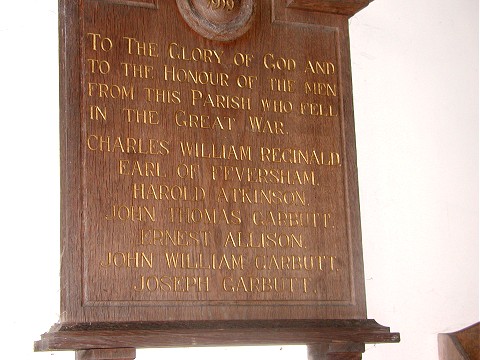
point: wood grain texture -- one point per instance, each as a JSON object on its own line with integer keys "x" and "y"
{"x": 336, "y": 334}
{"x": 460, "y": 345}
{"x": 344, "y": 356}
{"x": 138, "y": 86}
{"x": 335, "y": 351}
{"x": 218, "y": 24}
{"x": 91, "y": 293}
{"x": 106, "y": 354}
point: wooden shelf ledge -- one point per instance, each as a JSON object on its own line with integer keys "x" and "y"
{"x": 212, "y": 333}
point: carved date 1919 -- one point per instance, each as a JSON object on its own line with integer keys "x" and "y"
{"x": 221, "y": 4}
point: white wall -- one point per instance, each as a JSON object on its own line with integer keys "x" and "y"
{"x": 415, "y": 73}
{"x": 415, "y": 69}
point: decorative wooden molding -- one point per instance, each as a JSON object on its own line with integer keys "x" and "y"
{"x": 152, "y": 4}
{"x": 216, "y": 333}
{"x": 221, "y": 20}
{"x": 460, "y": 345}
{"x": 337, "y": 7}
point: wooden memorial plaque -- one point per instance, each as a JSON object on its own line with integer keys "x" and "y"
{"x": 209, "y": 182}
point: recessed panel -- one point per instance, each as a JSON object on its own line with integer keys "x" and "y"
{"x": 215, "y": 175}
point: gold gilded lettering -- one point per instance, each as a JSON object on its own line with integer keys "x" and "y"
{"x": 282, "y": 85}
{"x": 128, "y": 260}
{"x": 255, "y": 196}
{"x": 174, "y": 74}
{"x": 132, "y": 213}
{"x": 315, "y": 109}
{"x": 184, "y": 215}
{"x": 179, "y": 52}
{"x": 291, "y": 219}
{"x": 127, "y": 145}
{"x": 100, "y": 66}
{"x": 263, "y": 240}
{"x": 321, "y": 89}
{"x": 168, "y": 192}
{"x": 141, "y": 168}
{"x": 182, "y": 119}
{"x": 304, "y": 283}
{"x": 204, "y": 261}
{"x": 176, "y": 284}
{"x": 99, "y": 42}
{"x": 264, "y": 176}
{"x": 261, "y": 125}
{"x": 251, "y": 284}
{"x": 333, "y": 260}
{"x": 214, "y": 151}
{"x": 220, "y": 101}
{"x": 277, "y": 106}
{"x": 98, "y": 113}
{"x": 278, "y": 63}
{"x": 295, "y": 262}
{"x": 320, "y": 67}
{"x": 246, "y": 82}
{"x": 164, "y": 96}
{"x": 105, "y": 91}
{"x": 189, "y": 171}
{"x": 299, "y": 156}
{"x": 241, "y": 59}
{"x": 228, "y": 5}
{"x": 180, "y": 238}
{"x": 150, "y": 117}
{"x": 141, "y": 48}
{"x": 137, "y": 70}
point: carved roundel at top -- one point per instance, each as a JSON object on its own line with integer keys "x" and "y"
{"x": 222, "y": 20}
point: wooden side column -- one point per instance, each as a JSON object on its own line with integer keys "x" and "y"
{"x": 336, "y": 351}
{"x": 106, "y": 354}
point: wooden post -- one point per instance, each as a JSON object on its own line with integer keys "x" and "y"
{"x": 106, "y": 354}
{"x": 336, "y": 351}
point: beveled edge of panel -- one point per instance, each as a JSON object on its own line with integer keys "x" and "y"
{"x": 81, "y": 336}
{"x": 282, "y": 13}
{"x": 149, "y": 4}
{"x": 70, "y": 156}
